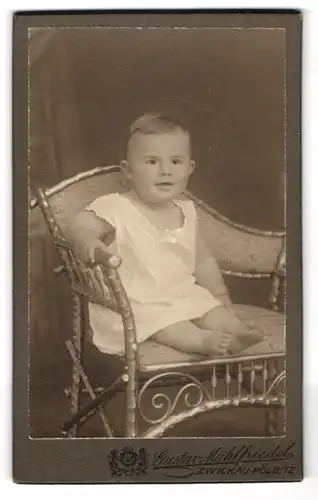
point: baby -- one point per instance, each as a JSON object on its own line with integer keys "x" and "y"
{"x": 175, "y": 287}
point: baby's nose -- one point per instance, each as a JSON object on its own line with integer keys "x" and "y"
{"x": 165, "y": 168}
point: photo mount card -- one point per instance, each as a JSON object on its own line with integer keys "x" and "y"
{"x": 94, "y": 404}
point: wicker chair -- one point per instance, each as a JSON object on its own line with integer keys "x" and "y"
{"x": 253, "y": 378}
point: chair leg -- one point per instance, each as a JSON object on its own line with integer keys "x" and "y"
{"x": 271, "y": 416}
{"x": 83, "y": 413}
{"x": 78, "y": 336}
{"x": 130, "y": 379}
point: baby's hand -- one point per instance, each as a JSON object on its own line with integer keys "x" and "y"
{"x": 95, "y": 251}
{"x": 86, "y": 232}
{"x": 85, "y": 249}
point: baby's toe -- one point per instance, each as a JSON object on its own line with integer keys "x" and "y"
{"x": 225, "y": 342}
{"x": 227, "y": 336}
{"x": 223, "y": 349}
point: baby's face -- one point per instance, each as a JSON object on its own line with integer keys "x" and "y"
{"x": 159, "y": 165}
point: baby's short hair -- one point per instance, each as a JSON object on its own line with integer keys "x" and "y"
{"x": 155, "y": 123}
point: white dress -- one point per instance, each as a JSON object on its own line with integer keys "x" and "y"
{"x": 156, "y": 271}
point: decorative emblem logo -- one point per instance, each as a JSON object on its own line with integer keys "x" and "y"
{"x": 128, "y": 462}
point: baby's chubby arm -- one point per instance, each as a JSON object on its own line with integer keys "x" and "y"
{"x": 208, "y": 275}
{"x": 87, "y": 232}
{"x": 207, "y": 272}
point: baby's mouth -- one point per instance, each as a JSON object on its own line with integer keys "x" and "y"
{"x": 164, "y": 183}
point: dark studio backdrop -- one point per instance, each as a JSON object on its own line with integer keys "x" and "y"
{"x": 88, "y": 85}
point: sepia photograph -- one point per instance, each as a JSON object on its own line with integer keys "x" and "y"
{"x": 157, "y": 232}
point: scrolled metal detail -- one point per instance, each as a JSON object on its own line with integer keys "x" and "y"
{"x": 277, "y": 380}
{"x": 187, "y": 395}
{"x": 194, "y": 390}
{"x": 158, "y": 405}
{"x": 270, "y": 401}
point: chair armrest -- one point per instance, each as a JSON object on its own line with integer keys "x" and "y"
{"x": 107, "y": 258}
{"x": 102, "y": 257}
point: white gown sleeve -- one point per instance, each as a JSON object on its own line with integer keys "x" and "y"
{"x": 105, "y": 207}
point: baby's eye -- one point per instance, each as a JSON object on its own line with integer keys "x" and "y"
{"x": 151, "y": 161}
{"x": 176, "y": 161}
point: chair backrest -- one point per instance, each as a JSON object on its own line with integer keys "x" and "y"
{"x": 240, "y": 250}
{"x": 99, "y": 283}
{"x": 72, "y": 195}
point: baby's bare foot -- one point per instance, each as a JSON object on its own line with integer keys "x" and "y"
{"x": 216, "y": 343}
{"x": 250, "y": 337}
{"x": 244, "y": 340}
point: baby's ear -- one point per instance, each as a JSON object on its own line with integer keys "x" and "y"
{"x": 125, "y": 168}
{"x": 192, "y": 166}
